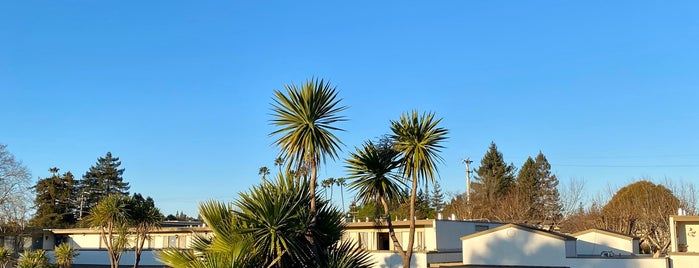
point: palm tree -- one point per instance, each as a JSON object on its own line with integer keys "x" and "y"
{"x": 264, "y": 171}
{"x": 341, "y": 182}
{"x": 144, "y": 218}
{"x": 279, "y": 162}
{"x": 371, "y": 169}
{"x": 325, "y": 184}
{"x": 267, "y": 227}
{"x": 418, "y": 139}
{"x": 306, "y": 117}
{"x": 65, "y": 254}
{"x": 110, "y": 217}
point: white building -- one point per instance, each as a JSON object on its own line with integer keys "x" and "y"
{"x": 436, "y": 241}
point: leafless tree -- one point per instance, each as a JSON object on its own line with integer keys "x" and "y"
{"x": 15, "y": 196}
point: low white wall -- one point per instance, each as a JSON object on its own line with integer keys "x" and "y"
{"x": 393, "y": 260}
{"x": 630, "y": 262}
{"x": 684, "y": 260}
{"x": 100, "y": 257}
{"x": 443, "y": 257}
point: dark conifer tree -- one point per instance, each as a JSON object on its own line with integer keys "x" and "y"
{"x": 528, "y": 189}
{"x": 101, "y": 180}
{"x": 55, "y": 201}
{"x": 495, "y": 178}
{"x": 437, "y": 198}
{"x": 549, "y": 197}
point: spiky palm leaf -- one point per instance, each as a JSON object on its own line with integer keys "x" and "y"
{"x": 418, "y": 139}
{"x": 372, "y": 171}
{"x": 347, "y": 255}
{"x": 65, "y": 254}
{"x": 306, "y": 117}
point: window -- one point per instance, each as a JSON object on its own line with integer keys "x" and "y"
{"x": 171, "y": 241}
{"x": 420, "y": 241}
{"x": 383, "y": 241}
{"x": 480, "y": 228}
{"x": 363, "y": 240}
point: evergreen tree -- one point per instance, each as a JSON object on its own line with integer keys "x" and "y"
{"x": 528, "y": 189}
{"x": 101, "y": 180}
{"x": 437, "y": 198}
{"x": 549, "y": 197}
{"x": 55, "y": 201}
{"x": 495, "y": 178}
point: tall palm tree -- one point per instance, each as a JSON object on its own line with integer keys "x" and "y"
{"x": 326, "y": 183}
{"x": 264, "y": 171}
{"x": 418, "y": 138}
{"x": 372, "y": 171}
{"x": 110, "y": 217}
{"x": 306, "y": 116}
{"x": 144, "y": 218}
{"x": 279, "y": 162}
{"x": 341, "y": 182}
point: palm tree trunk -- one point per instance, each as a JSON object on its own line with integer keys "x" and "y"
{"x": 314, "y": 172}
{"x": 140, "y": 241}
{"x": 411, "y": 236}
{"x": 392, "y": 233}
{"x": 342, "y": 195}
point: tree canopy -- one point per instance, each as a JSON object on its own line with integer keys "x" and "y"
{"x": 101, "y": 180}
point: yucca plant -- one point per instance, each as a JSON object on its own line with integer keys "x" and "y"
{"x": 65, "y": 255}
{"x": 33, "y": 259}
{"x": 5, "y": 257}
{"x": 269, "y": 227}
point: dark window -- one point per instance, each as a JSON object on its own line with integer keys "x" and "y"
{"x": 384, "y": 241}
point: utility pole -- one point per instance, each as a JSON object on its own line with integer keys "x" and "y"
{"x": 468, "y": 162}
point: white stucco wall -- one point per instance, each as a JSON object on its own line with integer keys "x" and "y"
{"x": 617, "y": 263}
{"x": 85, "y": 241}
{"x": 513, "y": 246}
{"x": 684, "y": 260}
{"x": 393, "y": 260}
{"x": 100, "y": 257}
{"x": 593, "y": 243}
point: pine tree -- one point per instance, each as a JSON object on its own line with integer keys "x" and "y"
{"x": 101, "y": 180}
{"x": 55, "y": 201}
{"x": 495, "y": 178}
{"x": 528, "y": 189}
{"x": 437, "y": 198}
{"x": 549, "y": 197}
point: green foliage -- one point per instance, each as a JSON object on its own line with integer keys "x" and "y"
{"x": 372, "y": 171}
{"x": 33, "y": 259}
{"x": 495, "y": 178}
{"x": 268, "y": 227}
{"x": 5, "y": 257}
{"x": 143, "y": 218}
{"x": 528, "y": 189}
{"x": 55, "y": 201}
{"x": 549, "y": 198}
{"x": 306, "y": 116}
{"x": 641, "y": 209}
{"x": 101, "y": 180}
{"x": 65, "y": 255}
{"x": 437, "y": 198}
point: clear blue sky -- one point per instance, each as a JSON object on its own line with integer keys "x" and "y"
{"x": 181, "y": 90}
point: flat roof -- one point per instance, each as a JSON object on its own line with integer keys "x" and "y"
{"x": 521, "y": 227}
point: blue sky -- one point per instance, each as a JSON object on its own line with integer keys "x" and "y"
{"x": 181, "y": 91}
